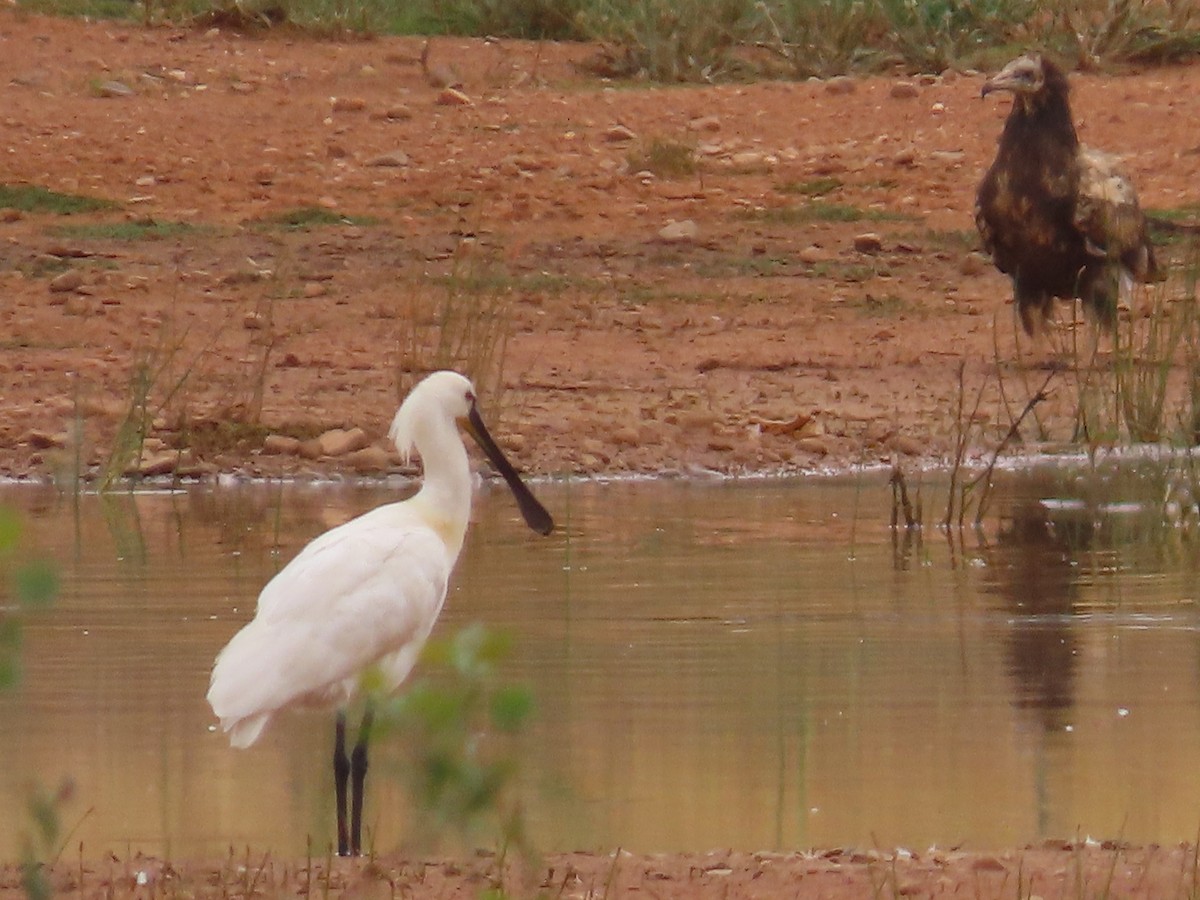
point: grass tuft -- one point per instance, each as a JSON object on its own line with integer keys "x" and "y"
{"x": 303, "y": 218}
{"x": 34, "y": 199}
{"x": 663, "y": 157}
{"x": 131, "y": 230}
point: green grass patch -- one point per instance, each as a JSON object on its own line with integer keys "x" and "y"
{"x": 813, "y": 187}
{"x": 89, "y": 9}
{"x": 742, "y": 266}
{"x": 133, "y": 230}
{"x": 721, "y": 40}
{"x": 820, "y": 211}
{"x": 964, "y": 240}
{"x": 304, "y": 218}
{"x": 33, "y": 199}
{"x": 1187, "y": 213}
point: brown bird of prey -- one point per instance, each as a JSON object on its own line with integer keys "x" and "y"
{"x": 1059, "y": 218}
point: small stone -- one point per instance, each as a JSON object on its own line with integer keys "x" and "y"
{"x": 626, "y": 436}
{"x": 395, "y": 159}
{"x": 879, "y": 432}
{"x": 44, "y": 440}
{"x": 909, "y": 446}
{"x": 281, "y": 445}
{"x": 161, "y": 463}
{"x": 678, "y": 232}
{"x": 987, "y": 864}
{"x": 70, "y": 280}
{"x": 113, "y": 89}
{"x": 797, "y": 424}
{"x": 253, "y": 321}
{"x": 974, "y": 264}
{"x": 340, "y": 441}
{"x": 812, "y": 254}
{"x": 369, "y": 459}
{"x": 869, "y": 242}
{"x": 618, "y": 133}
{"x": 349, "y": 104}
{"x": 814, "y": 445}
{"x": 841, "y": 84}
{"x": 453, "y": 97}
{"x": 313, "y": 289}
{"x": 903, "y": 90}
{"x": 705, "y": 123}
{"x": 398, "y": 113}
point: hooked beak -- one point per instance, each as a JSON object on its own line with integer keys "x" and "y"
{"x": 1001, "y": 81}
{"x": 535, "y": 515}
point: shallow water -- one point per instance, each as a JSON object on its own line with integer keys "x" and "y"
{"x": 753, "y": 665}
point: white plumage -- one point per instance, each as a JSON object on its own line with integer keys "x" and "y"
{"x": 363, "y": 597}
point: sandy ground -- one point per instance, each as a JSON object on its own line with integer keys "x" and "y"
{"x": 1063, "y": 870}
{"x": 805, "y": 296}
{"x": 723, "y": 319}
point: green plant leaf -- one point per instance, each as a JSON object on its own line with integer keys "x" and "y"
{"x": 511, "y": 708}
{"x": 36, "y": 584}
{"x": 10, "y": 528}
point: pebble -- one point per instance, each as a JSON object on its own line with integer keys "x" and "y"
{"x": 394, "y": 159}
{"x": 909, "y": 446}
{"x": 618, "y": 133}
{"x": 369, "y": 459}
{"x": 114, "y": 89}
{"x": 812, "y": 254}
{"x": 903, "y": 90}
{"x": 453, "y": 97}
{"x": 67, "y": 281}
{"x": 340, "y": 441}
{"x": 349, "y": 104}
{"x": 841, "y": 84}
{"x": 678, "y": 232}
{"x": 869, "y": 242}
{"x": 815, "y": 445}
{"x": 163, "y": 462}
{"x": 44, "y": 440}
{"x": 281, "y": 445}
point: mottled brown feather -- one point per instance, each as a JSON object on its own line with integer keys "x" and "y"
{"x": 1062, "y": 220}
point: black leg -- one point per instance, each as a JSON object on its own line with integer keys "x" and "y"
{"x": 358, "y": 771}
{"x": 341, "y": 773}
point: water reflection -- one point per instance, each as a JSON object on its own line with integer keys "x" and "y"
{"x": 1032, "y": 570}
{"x": 748, "y": 665}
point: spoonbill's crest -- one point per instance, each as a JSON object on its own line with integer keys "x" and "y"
{"x": 364, "y": 596}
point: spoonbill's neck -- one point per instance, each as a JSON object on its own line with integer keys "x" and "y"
{"x": 445, "y": 495}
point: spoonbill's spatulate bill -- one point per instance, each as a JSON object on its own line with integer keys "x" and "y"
{"x": 362, "y": 598}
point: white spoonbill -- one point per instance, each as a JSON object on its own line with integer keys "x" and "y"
{"x": 362, "y": 597}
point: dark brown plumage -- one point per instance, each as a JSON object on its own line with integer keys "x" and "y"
{"x": 1061, "y": 219}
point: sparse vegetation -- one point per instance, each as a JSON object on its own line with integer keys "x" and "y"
{"x": 821, "y": 211}
{"x": 305, "y": 217}
{"x": 34, "y": 199}
{"x": 458, "y": 321}
{"x": 129, "y": 230}
{"x": 709, "y": 40}
{"x": 813, "y": 187}
{"x": 453, "y": 728}
{"x": 663, "y": 158}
